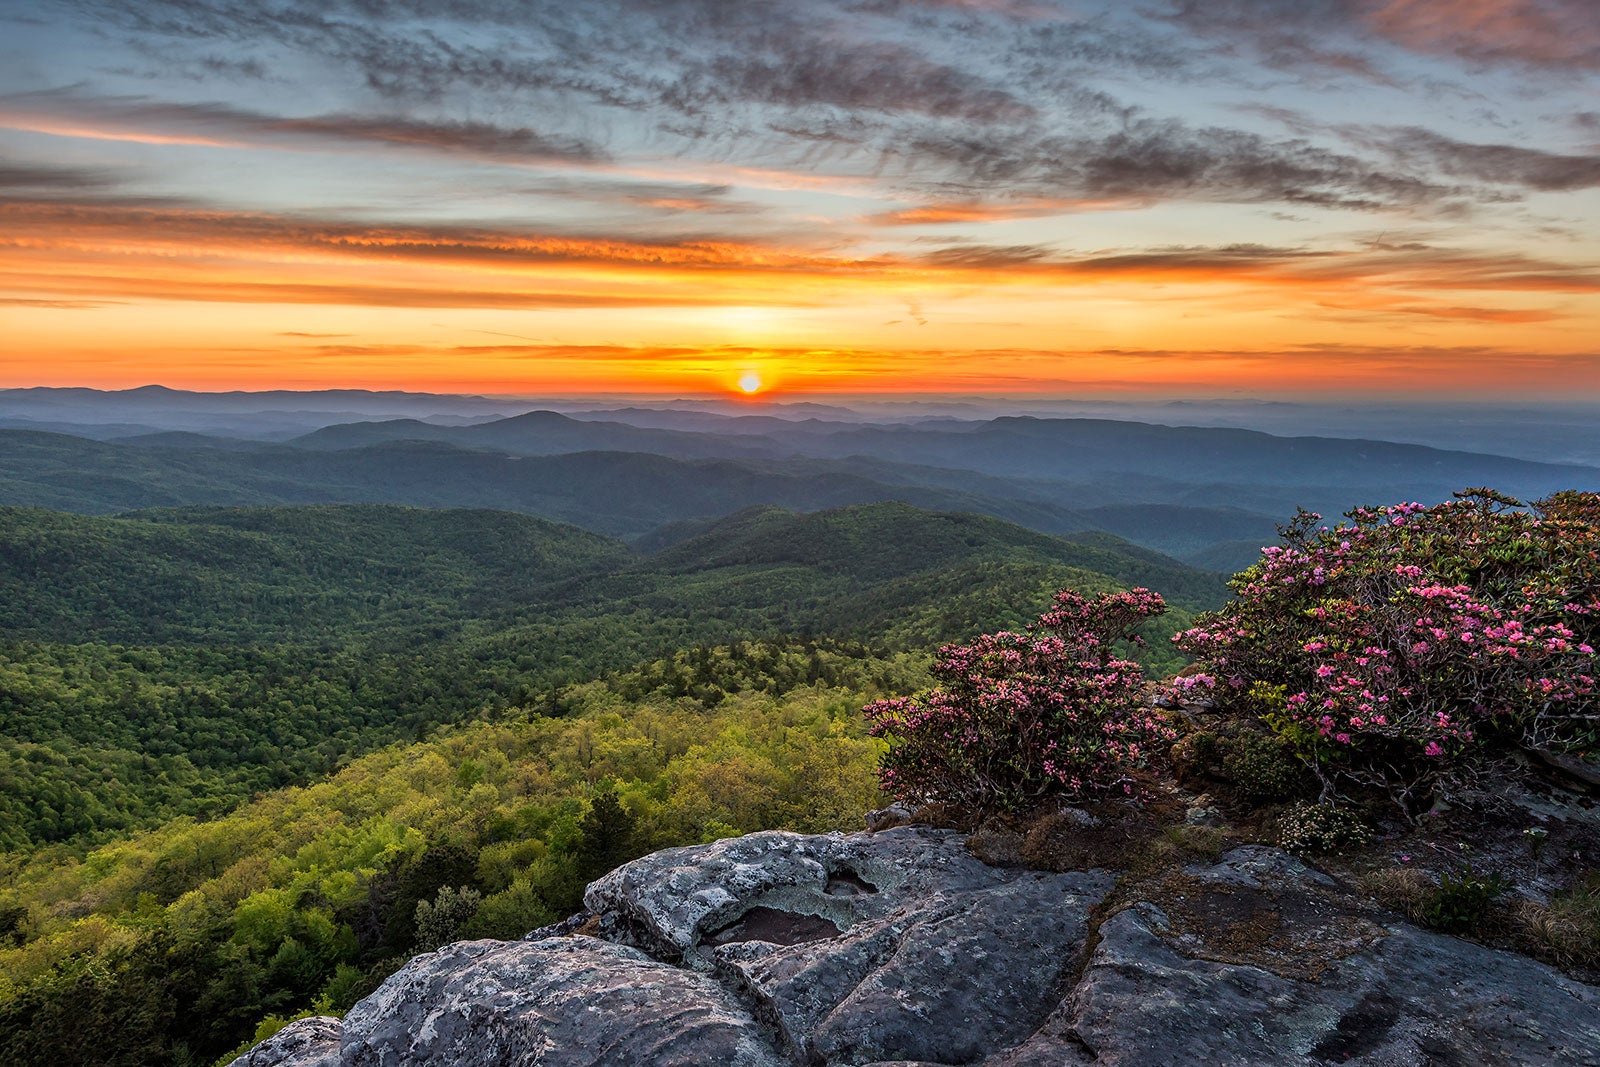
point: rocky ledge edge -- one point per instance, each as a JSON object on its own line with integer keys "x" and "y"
{"x": 901, "y": 948}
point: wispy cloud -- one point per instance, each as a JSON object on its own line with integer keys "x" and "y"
{"x": 1497, "y": 164}
{"x": 1002, "y": 169}
{"x": 139, "y": 119}
{"x": 95, "y": 248}
{"x": 54, "y": 305}
{"x": 24, "y": 177}
{"x": 1543, "y": 33}
{"x": 1528, "y": 33}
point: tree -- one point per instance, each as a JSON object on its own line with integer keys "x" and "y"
{"x": 440, "y": 920}
{"x": 607, "y": 834}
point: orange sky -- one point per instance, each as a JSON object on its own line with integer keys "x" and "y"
{"x": 932, "y": 229}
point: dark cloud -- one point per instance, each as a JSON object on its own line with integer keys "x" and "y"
{"x": 1153, "y": 159}
{"x": 480, "y": 139}
{"x": 853, "y": 78}
{"x": 35, "y": 177}
{"x": 682, "y": 55}
{"x": 1302, "y": 36}
{"x": 987, "y": 257}
{"x": 1537, "y": 33}
{"x": 944, "y": 100}
{"x": 1499, "y": 164}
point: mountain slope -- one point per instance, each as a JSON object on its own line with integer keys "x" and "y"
{"x": 618, "y": 493}
{"x": 877, "y": 542}
{"x": 221, "y": 574}
{"x": 197, "y": 655}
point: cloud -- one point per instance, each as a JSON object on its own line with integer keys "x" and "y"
{"x": 852, "y": 77}
{"x": 1540, "y": 33}
{"x": 952, "y": 104}
{"x": 661, "y": 197}
{"x": 1550, "y": 34}
{"x": 990, "y": 257}
{"x": 97, "y": 250}
{"x": 35, "y": 177}
{"x": 1499, "y": 164}
{"x": 143, "y": 286}
{"x": 143, "y": 119}
{"x": 1149, "y": 159}
{"x": 56, "y": 305}
{"x": 610, "y": 52}
{"x": 199, "y": 230}
{"x": 974, "y": 211}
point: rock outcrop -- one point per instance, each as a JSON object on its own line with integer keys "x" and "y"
{"x": 900, "y": 947}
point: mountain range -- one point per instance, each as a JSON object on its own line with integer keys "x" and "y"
{"x": 1209, "y": 495}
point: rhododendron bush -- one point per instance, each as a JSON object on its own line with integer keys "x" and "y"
{"x": 1016, "y": 717}
{"x": 1413, "y": 642}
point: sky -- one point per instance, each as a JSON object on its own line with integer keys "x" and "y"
{"x": 1030, "y": 198}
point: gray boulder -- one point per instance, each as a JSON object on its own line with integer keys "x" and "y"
{"x": 310, "y": 1042}
{"x": 900, "y": 949}
{"x": 1414, "y": 1000}
{"x": 561, "y": 1002}
{"x": 1266, "y": 962}
{"x": 895, "y": 945}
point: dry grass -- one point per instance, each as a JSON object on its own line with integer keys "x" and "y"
{"x": 1405, "y": 890}
{"x": 1565, "y": 931}
{"x": 1203, "y": 842}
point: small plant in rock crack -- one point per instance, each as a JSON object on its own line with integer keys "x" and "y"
{"x": 1462, "y": 901}
{"x": 1308, "y": 827}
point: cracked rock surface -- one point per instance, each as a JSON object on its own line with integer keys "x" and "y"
{"x": 901, "y": 948}
{"x": 310, "y": 1042}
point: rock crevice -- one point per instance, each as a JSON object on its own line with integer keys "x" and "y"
{"x": 900, "y": 947}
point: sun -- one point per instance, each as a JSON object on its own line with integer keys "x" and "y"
{"x": 750, "y": 382}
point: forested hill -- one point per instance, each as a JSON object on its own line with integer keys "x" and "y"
{"x": 176, "y": 661}
{"x": 240, "y": 747}
{"x": 255, "y": 575}
{"x": 625, "y": 494}
{"x": 170, "y": 947}
{"x": 876, "y": 542}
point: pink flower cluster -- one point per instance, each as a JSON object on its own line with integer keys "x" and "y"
{"x": 1019, "y": 716}
{"x": 1415, "y": 635}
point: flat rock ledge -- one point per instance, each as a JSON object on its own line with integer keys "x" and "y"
{"x": 901, "y": 948}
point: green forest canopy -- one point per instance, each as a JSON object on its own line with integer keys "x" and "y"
{"x": 498, "y": 708}
{"x": 176, "y": 662}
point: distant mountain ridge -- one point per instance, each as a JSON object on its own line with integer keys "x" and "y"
{"x": 1208, "y": 494}
{"x": 1565, "y": 431}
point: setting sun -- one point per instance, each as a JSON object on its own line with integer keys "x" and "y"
{"x": 750, "y": 382}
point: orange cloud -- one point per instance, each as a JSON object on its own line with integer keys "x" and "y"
{"x": 1556, "y": 32}
{"x": 109, "y": 250}
{"x": 1432, "y": 371}
{"x": 978, "y": 212}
